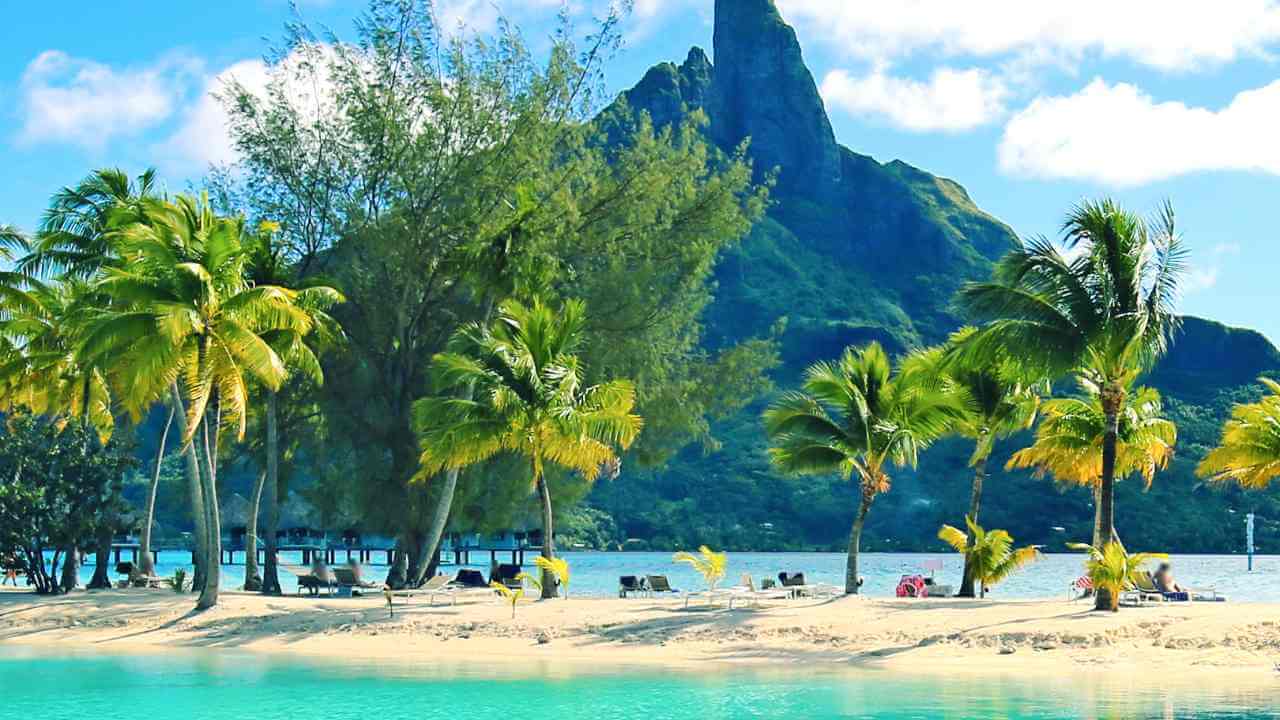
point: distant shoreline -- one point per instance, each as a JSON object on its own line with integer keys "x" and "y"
{"x": 924, "y": 636}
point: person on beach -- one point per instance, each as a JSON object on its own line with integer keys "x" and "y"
{"x": 9, "y": 562}
{"x": 1164, "y": 580}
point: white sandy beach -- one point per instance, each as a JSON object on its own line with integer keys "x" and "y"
{"x": 944, "y": 636}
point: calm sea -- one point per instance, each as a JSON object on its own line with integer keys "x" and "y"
{"x": 180, "y": 686}
{"x": 596, "y": 574}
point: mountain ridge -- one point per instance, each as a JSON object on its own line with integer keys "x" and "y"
{"x": 853, "y": 250}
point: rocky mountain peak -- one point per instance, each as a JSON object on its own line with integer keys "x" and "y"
{"x": 763, "y": 90}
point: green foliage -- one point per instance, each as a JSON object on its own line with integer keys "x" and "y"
{"x": 59, "y": 486}
{"x": 989, "y": 553}
{"x": 179, "y": 582}
{"x": 1112, "y": 569}
{"x": 512, "y": 190}
{"x": 1249, "y": 452}
{"x": 711, "y": 565}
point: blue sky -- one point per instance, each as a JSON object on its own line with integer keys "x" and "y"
{"x": 1031, "y": 106}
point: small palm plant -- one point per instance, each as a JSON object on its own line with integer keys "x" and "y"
{"x": 557, "y": 568}
{"x": 989, "y": 554}
{"x": 711, "y": 565}
{"x": 513, "y": 595}
{"x": 1111, "y": 569}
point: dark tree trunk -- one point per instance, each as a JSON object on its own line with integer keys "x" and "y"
{"x": 70, "y": 569}
{"x": 200, "y": 539}
{"x": 398, "y": 573}
{"x": 549, "y": 589}
{"x": 146, "y": 564}
{"x": 252, "y": 578}
{"x": 1112, "y": 397}
{"x": 851, "y": 584}
{"x": 101, "y": 579}
{"x": 270, "y": 564}
{"x": 213, "y": 551}
{"x": 975, "y": 505}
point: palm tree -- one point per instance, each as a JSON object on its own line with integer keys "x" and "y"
{"x": 40, "y": 370}
{"x": 1069, "y": 443}
{"x": 1109, "y": 309}
{"x": 184, "y": 322}
{"x": 1000, "y": 401}
{"x": 989, "y": 553}
{"x": 857, "y": 416}
{"x": 71, "y": 245}
{"x": 269, "y": 266}
{"x": 1249, "y": 451}
{"x": 73, "y": 237}
{"x": 526, "y": 396}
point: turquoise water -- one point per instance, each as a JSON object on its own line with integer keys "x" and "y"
{"x": 230, "y": 686}
{"x": 596, "y": 574}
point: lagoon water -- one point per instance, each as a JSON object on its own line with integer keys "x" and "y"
{"x": 217, "y": 686}
{"x": 596, "y": 573}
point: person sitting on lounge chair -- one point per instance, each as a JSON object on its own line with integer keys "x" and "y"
{"x": 1164, "y": 580}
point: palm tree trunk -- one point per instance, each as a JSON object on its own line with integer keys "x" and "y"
{"x": 1111, "y": 396}
{"x": 440, "y": 518}
{"x": 146, "y": 563}
{"x": 975, "y": 504}
{"x": 252, "y": 579}
{"x": 851, "y": 584}
{"x": 101, "y": 579}
{"x": 549, "y": 589}
{"x": 270, "y": 569}
{"x": 213, "y": 551}
{"x": 200, "y": 535}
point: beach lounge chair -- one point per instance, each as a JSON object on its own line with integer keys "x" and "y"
{"x": 434, "y": 587}
{"x": 630, "y": 584}
{"x": 796, "y": 584}
{"x": 470, "y": 579}
{"x": 1147, "y": 584}
{"x": 506, "y": 575}
{"x": 659, "y": 584}
{"x": 348, "y": 585}
{"x": 310, "y": 581}
{"x": 746, "y": 592}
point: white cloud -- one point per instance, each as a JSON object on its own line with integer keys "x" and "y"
{"x": 1165, "y": 34}
{"x": 1200, "y": 279}
{"x": 81, "y": 102}
{"x": 951, "y": 99}
{"x": 202, "y": 138}
{"x": 1120, "y": 135}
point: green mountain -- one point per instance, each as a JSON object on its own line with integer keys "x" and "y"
{"x": 854, "y": 250}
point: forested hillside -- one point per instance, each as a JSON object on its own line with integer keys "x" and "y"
{"x": 854, "y": 250}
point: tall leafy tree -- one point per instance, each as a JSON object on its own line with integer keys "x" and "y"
{"x": 1108, "y": 309}
{"x": 1249, "y": 451}
{"x": 1000, "y": 400}
{"x": 59, "y": 485}
{"x": 857, "y": 417}
{"x": 72, "y": 239}
{"x": 514, "y": 189}
{"x": 528, "y": 398}
{"x": 268, "y": 265}
{"x": 183, "y": 322}
{"x": 40, "y": 369}
{"x": 1069, "y": 443}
